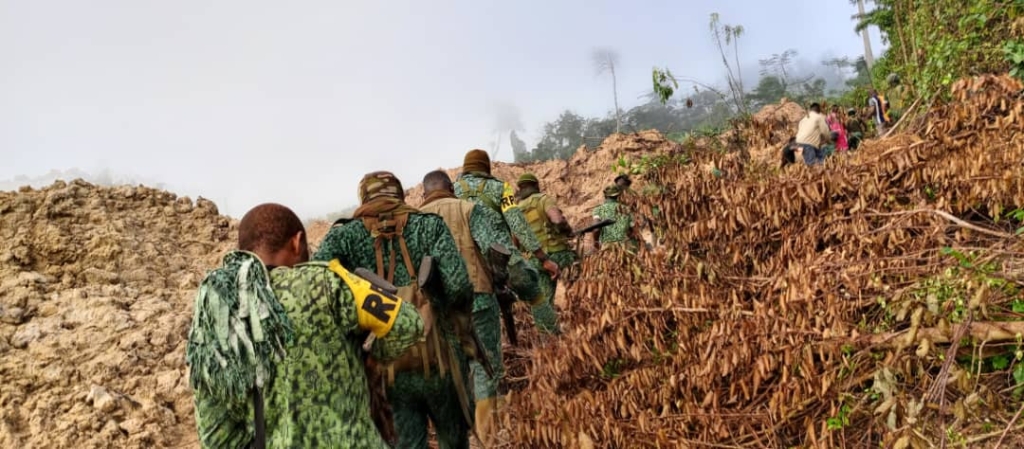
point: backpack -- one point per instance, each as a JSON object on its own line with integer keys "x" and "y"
{"x": 239, "y": 333}
{"x": 508, "y": 195}
{"x": 432, "y": 352}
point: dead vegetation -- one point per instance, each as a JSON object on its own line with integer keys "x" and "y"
{"x": 812, "y": 309}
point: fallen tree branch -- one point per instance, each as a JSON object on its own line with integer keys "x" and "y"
{"x": 949, "y": 217}
{"x": 991, "y": 331}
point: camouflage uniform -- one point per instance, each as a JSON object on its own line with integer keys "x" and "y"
{"x": 318, "y": 395}
{"x": 611, "y": 209}
{"x": 498, "y": 193}
{"x": 487, "y": 228}
{"x": 412, "y": 396}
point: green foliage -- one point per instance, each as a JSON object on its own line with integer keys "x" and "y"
{"x": 1017, "y": 215}
{"x": 664, "y": 84}
{"x": 647, "y": 162}
{"x": 840, "y": 420}
{"x": 1014, "y": 51}
{"x": 560, "y": 140}
{"x": 770, "y": 89}
{"x": 932, "y": 43}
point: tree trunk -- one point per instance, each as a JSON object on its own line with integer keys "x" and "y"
{"x": 615, "y": 95}
{"x": 869, "y": 58}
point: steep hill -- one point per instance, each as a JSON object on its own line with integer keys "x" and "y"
{"x": 95, "y": 305}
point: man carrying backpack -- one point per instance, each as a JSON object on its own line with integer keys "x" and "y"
{"x": 879, "y": 110}
{"x": 476, "y": 184}
{"x": 553, "y": 230}
{"x": 277, "y": 338}
{"x": 476, "y": 228}
{"x": 430, "y": 380}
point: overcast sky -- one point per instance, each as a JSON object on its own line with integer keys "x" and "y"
{"x": 251, "y": 101}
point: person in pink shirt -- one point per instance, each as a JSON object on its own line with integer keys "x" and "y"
{"x": 835, "y": 124}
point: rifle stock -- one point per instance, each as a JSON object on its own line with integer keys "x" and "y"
{"x": 497, "y": 258}
{"x": 461, "y": 320}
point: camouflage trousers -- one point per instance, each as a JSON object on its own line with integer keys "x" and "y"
{"x": 487, "y": 321}
{"x": 414, "y": 399}
{"x": 544, "y": 315}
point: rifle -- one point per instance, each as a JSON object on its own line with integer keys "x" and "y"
{"x": 461, "y": 320}
{"x": 593, "y": 227}
{"x": 497, "y": 259}
{"x": 590, "y": 228}
{"x": 380, "y": 408}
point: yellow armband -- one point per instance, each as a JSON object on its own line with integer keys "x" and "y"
{"x": 508, "y": 198}
{"x": 376, "y": 310}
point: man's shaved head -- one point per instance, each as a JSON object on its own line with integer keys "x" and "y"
{"x": 437, "y": 180}
{"x": 268, "y": 228}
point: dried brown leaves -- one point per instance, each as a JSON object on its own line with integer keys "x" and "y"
{"x": 733, "y": 333}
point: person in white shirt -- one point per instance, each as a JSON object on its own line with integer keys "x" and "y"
{"x": 811, "y": 133}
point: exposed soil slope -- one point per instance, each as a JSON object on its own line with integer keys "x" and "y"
{"x": 95, "y": 306}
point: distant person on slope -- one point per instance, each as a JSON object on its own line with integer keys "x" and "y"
{"x": 305, "y": 322}
{"x": 855, "y": 128}
{"x": 835, "y": 123}
{"x": 880, "y": 111}
{"x": 811, "y": 133}
{"x": 622, "y": 231}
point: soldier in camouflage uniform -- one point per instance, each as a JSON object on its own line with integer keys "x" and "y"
{"x": 476, "y": 184}
{"x": 476, "y": 228}
{"x": 622, "y": 231}
{"x": 413, "y": 395}
{"x": 553, "y": 231}
{"x": 317, "y": 395}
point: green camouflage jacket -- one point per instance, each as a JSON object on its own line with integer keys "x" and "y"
{"x": 619, "y": 231}
{"x": 318, "y": 395}
{"x": 501, "y": 194}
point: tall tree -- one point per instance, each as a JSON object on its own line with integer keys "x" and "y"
{"x": 519, "y": 151}
{"x": 838, "y": 63}
{"x": 869, "y": 58}
{"x": 506, "y": 118}
{"x": 605, "y": 60}
{"x": 724, "y": 36}
{"x": 777, "y": 66}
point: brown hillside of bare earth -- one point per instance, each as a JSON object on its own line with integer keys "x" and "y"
{"x": 810, "y": 309}
{"x": 95, "y": 306}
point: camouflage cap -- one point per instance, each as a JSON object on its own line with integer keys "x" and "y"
{"x": 624, "y": 178}
{"x": 612, "y": 191}
{"x": 380, "y": 184}
{"x": 527, "y": 178}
